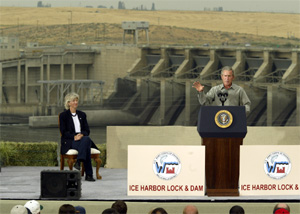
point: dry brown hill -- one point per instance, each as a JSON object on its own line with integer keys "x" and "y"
{"x": 52, "y": 26}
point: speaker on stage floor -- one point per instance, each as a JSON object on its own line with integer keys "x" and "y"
{"x": 57, "y": 184}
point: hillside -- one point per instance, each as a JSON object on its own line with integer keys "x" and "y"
{"x": 56, "y": 26}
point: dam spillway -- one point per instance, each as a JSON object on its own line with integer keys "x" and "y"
{"x": 154, "y": 84}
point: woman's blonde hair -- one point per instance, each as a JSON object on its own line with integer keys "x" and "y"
{"x": 70, "y": 97}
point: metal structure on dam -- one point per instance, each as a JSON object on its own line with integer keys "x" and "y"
{"x": 153, "y": 84}
{"x": 270, "y": 77}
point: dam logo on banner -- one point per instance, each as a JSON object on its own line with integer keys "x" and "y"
{"x": 277, "y": 165}
{"x": 166, "y": 165}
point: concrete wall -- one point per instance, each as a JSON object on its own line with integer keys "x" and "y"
{"x": 9, "y": 48}
{"x": 119, "y": 137}
{"x": 279, "y": 100}
{"x": 113, "y": 63}
{"x": 9, "y": 54}
{"x": 19, "y": 110}
{"x": 20, "y": 77}
{"x": 94, "y": 117}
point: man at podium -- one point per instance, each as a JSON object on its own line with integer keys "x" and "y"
{"x": 222, "y": 128}
{"x": 225, "y": 94}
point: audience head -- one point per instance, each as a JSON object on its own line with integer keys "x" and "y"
{"x": 66, "y": 209}
{"x": 281, "y": 208}
{"x": 236, "y": 210}
{"x": 80, "y": 210}
{"x": 159, "y": 210}
{"x": 110, "y": 211}
{"x": 120, "y": 206}
{"x": 34, "y": 206}
{"x": 190, "y": 209}
{"x": 19, "y": 209}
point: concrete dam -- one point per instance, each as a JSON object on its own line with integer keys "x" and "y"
{"x": 145, "y": 85}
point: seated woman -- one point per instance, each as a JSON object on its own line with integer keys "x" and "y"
{"x": 75, "y": 132}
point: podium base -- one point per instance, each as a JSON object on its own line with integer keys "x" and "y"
{"x": 222, "y": 192}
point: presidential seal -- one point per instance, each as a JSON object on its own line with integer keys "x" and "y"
{"x": 223, "y": 119}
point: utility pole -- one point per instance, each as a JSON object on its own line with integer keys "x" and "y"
{"x": 71, "y": 20}
{"x": 18, "y": 27}
{"x": 37, "y": 29}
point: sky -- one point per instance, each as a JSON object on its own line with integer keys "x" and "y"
{"x": 282, "y": 6}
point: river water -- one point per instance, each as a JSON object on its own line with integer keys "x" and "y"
{"x": 23, "y": 133}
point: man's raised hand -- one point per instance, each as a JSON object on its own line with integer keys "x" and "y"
{"x": 197, "y": 85}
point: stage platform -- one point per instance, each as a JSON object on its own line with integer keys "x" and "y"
{"x": 19, "y": 184}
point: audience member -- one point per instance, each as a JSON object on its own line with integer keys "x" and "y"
{"x": 80, "y": 210}
{"x": 159, "y": 210}
{"x": 281, "y": 208}
{"x": 34, "y": 206}
{"x": 236, "y": 210}
{"x": 66, "y": 209}
{"x": 190, "y": 209}
{"x": 110, "y": 211}
{"x": 19, "y": 209}
{"x": 120, "y": 206}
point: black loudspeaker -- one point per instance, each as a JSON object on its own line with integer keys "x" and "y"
{"x": 57, "y": 184}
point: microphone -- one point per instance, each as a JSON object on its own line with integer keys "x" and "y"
{"x": 225, "y": 94}
{"x": 222, "y": 95}
{"x": 219, "y": 94}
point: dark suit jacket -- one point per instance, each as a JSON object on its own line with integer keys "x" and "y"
{"x": 67, "y": 129}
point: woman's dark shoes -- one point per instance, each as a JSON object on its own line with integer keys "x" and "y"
{"x": 89, "y": 178}
{"x": 77, "y": 165}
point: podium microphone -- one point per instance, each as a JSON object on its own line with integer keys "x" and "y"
{"x": 219, "y": 93}
{"x": 225, "y": 93}
{"x": 222, "y": 96}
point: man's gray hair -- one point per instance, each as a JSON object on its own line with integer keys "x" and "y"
{"x": 227, "y": 68}
{"x": 70, "y": 97}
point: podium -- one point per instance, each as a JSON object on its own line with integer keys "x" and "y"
{"x": 222, "y": 129}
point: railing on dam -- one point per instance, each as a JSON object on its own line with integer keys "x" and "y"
{"x": 93, "y": 89}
